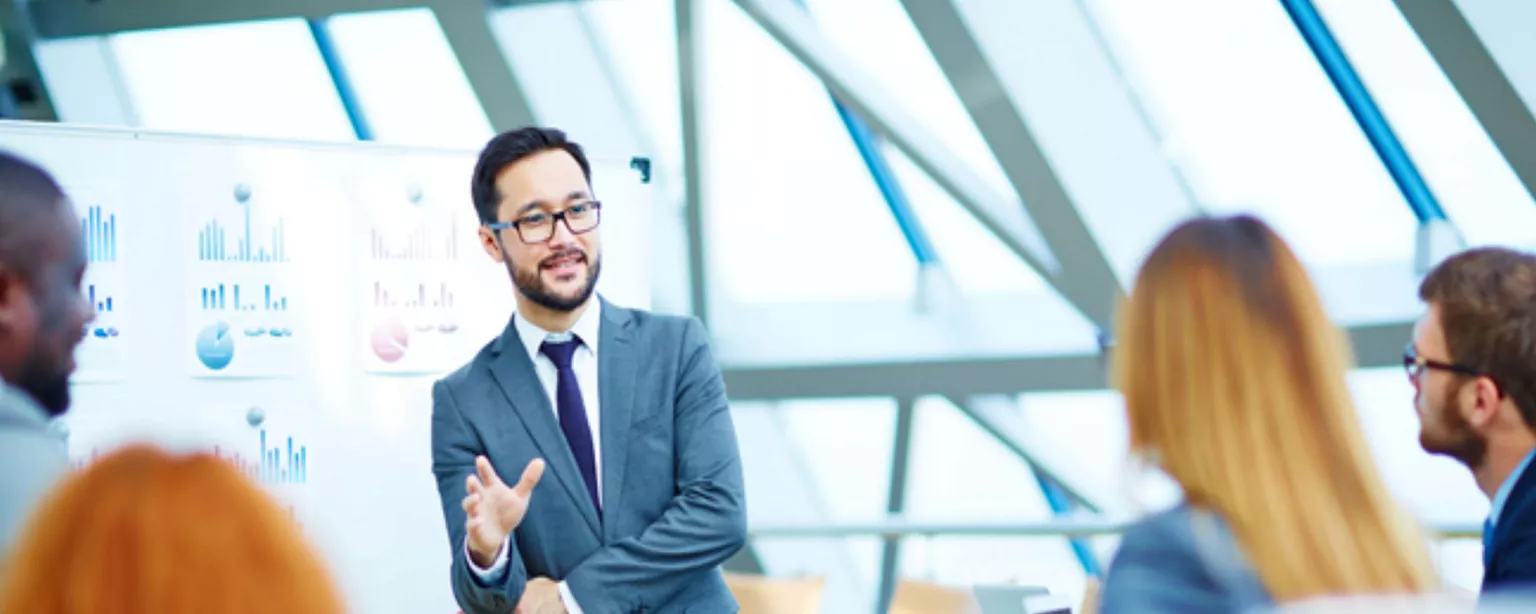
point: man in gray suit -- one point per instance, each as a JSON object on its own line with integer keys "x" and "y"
{"x": 625, "y": 408}
{"x": 42, "y": 316}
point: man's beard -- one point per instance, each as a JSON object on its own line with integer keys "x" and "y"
{"x": 46, "y": 384}
{"x": 1454, "y": 437}
{"x": 531, "y": 284}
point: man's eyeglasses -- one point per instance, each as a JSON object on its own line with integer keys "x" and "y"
{"x": 1416, "y": 365}
{"x": 539, "y": 226}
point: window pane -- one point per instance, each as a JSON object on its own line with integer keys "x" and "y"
{"x": 565, "y": 77}
{"x": 261, "y": 79}
{"x": 640, "y": 40}
{"x": 880, "y": 38}
{"x": 793, "y": 214}
{"x": 956, "y": 473}
{"x": 407, "y": 79}
{"x": 977, "y": 261}
{"x": 1256, "y": 126}
{"x": 1475, "y": 186}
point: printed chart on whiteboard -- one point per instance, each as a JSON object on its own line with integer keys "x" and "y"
{"x": 410, "y": 298}
{"x": 100, "y": 355}
{"x": 241, "y": 319}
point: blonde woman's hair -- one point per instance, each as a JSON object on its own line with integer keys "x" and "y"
{"x": 1233, "y": 375}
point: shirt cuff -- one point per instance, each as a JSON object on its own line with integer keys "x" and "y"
{"x": 494, "y": 575}
{"x": 571, "y": 607}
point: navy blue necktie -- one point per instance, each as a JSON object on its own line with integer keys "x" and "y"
{"x": 573, "y": 414}
{"x": 1487, "y": 542}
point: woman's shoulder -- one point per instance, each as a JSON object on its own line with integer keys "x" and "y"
{"x": 1184, "y": 558}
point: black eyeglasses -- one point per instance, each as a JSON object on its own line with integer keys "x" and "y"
{"x": 1416, "y": 365}
{"x": 539, "y": 226}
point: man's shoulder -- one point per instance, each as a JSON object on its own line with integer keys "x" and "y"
{"x": 471, "y": 370}
{"x": 650, "y": 325}
{"x": 19, "y": 412}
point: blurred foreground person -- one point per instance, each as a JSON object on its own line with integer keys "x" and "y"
{"x": 1233, "y": 379}
{"x": 144, "y": 532}
{"x": 42, "y": 316}
{"x": 1473, "y": 366}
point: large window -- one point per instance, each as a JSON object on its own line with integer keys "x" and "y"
{"x": 407, "y": 79}
{"x": 793, "y": 215}
{"x": 1471, "y": 180}
{"x": 1252, "y": 120}
{"x": 263, "y": 79}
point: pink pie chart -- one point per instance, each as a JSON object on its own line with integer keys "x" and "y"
{"x": 390, "y": 339}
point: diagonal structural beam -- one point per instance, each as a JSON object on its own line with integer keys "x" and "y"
{"x": 1086, "y": 279}
{"x": 1325, "y": 47}
{"x": 794, "y": 29}
{"x": 1472, "y": 70}
{"x": 468, "y": 29}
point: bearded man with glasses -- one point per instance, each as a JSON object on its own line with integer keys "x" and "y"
{"x": 625, "y": 408}
{"x": 1473, "y": 367}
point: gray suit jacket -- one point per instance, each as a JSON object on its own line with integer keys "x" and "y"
{"x": 673, "y": 501}
{"x": 1181, "y": 560}
{"x": 32, "y": 457}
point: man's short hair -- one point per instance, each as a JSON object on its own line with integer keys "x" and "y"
{"x": 28, "y": 195}
{"x": 1487, "y": 301}
{"x": 509, "y": 148}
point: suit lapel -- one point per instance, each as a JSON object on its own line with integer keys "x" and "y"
{"x": 617, "y": 370}
{"x": 514, "y": 373}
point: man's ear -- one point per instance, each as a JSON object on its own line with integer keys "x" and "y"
{"x": 488, "y": 242}
{"x": 1488, "y": 397}
{"x": 13, "y": 297}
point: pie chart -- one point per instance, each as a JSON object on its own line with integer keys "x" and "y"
{"x": 390, "y": 340}
{"x": 216, "y": 346}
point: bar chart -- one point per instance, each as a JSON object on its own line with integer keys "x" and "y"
{"x": 226, "y": 297}
{"x": 416, "y": 298}
{"x": 214, "y": 245}
{"x": 426, "y": 241}
{"x": 98, "y": 231}
{"x": 102, "y": 303}
{"x": 280, "y": 464}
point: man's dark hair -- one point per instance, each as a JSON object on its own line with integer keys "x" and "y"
{"x": 507, "y": 149}
{"x": 1487, "y": 301}
{"x": 28, "y": 195}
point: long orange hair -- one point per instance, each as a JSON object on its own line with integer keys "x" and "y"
{"x": 1233, "y": 376}
{"x": 144, "y": 532}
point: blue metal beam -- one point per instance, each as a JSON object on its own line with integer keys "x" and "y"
{"x": 869, "y": 149}
{"x": 338, "y": 71}
{"x": 1391, "y": 151}
{"x": 868, "y": 145}
{"x": 1061, "y": 505}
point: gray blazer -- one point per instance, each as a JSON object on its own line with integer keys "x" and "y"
{"x": 674, "y": 506}
{"x": 1182, "y": 560}
{"x": 32, "y": 457}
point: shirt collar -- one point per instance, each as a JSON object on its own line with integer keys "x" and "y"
{"x": 1500, "y": 497}
{"x": 585, "y": 328}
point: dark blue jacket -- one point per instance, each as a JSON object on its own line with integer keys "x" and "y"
{"x": 1510, "y": 561}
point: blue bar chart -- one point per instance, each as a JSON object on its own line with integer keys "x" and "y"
{"x": 99, "y": 233}
{"x": 102, "y": 303}
{"x": 283, "y": 463}
{"x": 226, "y": 297}
{"x": 214, "y": 244}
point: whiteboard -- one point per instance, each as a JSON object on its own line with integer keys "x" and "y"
{"x": 289, "y": 305}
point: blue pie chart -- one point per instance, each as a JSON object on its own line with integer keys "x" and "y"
{"x": 216, "y": 346}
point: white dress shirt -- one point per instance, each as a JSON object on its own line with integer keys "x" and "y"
{"x": 584, "y": 363}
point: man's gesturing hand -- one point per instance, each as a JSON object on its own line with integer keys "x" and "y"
{"x": 492, "y": 509}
